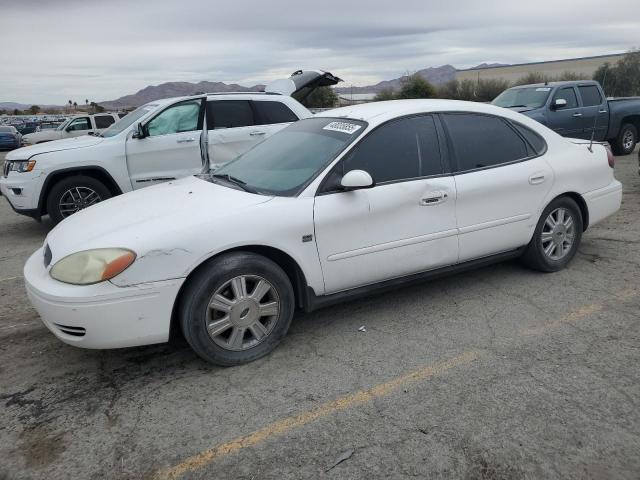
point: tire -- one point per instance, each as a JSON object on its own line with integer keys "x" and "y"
{"x": 539, "y": 254}
{"x": 210, "y": 302}
{"x": 72, "y": 194}
{"x": 626, "y": 140}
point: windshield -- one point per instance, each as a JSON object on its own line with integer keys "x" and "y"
{"x": 532, "y": 97}
{"x": 286, "y": 162}
{"x": 6, "y": 129}
{"x": 126, "y": 121}
{"x": 64, "y": 124}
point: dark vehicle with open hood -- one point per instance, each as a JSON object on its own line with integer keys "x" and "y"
{"x": 578, "y": 109}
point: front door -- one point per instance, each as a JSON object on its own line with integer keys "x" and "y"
{"x": 567, "y": 120}
{"x": 405, "y": 224}
{"x": 79, "y": 126}
{"x": 501, "y": 183}
{"x": 171, "y": 147}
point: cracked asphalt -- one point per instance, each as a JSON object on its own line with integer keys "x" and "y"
{"x": 498, "y": 373}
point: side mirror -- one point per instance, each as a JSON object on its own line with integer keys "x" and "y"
{"x": 559, "y": 103}
{"x": 357, "y": 179}
{"x": 139, "y": 132}
{"x": 68, "y": 129}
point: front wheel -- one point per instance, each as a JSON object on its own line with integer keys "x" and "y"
{"x": 72, "y": 194}
{"x": 626, "y": 140}
{"x": 236, "y": 308}
{"x": 556, "y": 237}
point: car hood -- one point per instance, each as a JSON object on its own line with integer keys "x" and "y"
{"x": 150, "y": 219}
{"x": 55, "y": 146}
{"x": 522, "y": 109}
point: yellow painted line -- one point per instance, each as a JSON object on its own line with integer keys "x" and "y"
{"x": 8, "y": 279}
{"x": 200, "y": 460}
{"x": 572, "y": 317}
{"x": 363, "y": 396}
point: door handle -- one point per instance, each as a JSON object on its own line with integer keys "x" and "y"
{"x": 536, "y": 178}
{"x": 433, "y": 198}
{"x": 256, "y": 133}
{"x": 602, "y": 111}
{"x": 577, "y": 115}
{"x": 186, "y": 140}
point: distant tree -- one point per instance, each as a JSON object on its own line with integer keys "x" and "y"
{"x": 98, "y": 108}
{"x": 384, "y": 94}
{"x": 449, "y": 90}
{"x": 415, "y": 86}
{"x": 568, "y": 75}
{"x": 490, "y": 88}
{"x": 322, "y": 97}
{"x": 70, "y": 103}
{"x": 16, "y": 111}
{"x": 75, "y": 106}
{"x": 86, "y": 104}
{"x": 467, "y": 89}
{"x": 34, "y": 109}
{"x": 533, "y": 77}
{"x": 623, "y": 78}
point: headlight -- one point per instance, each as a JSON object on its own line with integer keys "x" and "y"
{"x": 92, "y": 266}
{"x": 21, "y": 166}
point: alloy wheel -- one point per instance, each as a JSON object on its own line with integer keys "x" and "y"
{"x": 77, "y": 198}
{"x": 558, "y": 233}
{"x": 242, "y": 312}
{"x": 627, "y": 140}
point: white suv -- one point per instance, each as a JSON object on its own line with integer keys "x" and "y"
{"x": 75, "y": 126}
{"x": 160, "y": 141}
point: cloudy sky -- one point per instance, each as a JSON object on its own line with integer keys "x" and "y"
{"x": 55, "y": 50}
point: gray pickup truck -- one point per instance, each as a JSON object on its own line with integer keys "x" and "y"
{"x": 576, "y": 109}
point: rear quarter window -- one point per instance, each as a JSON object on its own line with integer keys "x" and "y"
{"x": 273, "y": 112}
{"x": 536, "y": 142}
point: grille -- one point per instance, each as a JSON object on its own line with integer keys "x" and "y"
{"x": 47, "y": 255}
{"x": 73, "y": 331}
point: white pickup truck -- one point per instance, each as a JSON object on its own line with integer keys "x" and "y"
{"x": 160, "y": 141}
{"x": 75, "y": 126}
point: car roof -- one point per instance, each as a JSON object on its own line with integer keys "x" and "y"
{"x": 375, "y": 113}
{"x": 218, "y": 95}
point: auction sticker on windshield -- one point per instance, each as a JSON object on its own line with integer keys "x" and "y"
{"x": 344, "y": 127}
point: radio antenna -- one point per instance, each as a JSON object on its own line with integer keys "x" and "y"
{"x": 595, "y": 121}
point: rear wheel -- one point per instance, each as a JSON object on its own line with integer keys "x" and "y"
{"x": 556, "y": 237}
{"x": 236, "y": 309}
{"x": 626, "y": 140}
{"x": 72, "y": 194}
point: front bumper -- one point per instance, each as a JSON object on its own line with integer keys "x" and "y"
{"x": 101, "y": 315}
{"x": 22, "y": 190}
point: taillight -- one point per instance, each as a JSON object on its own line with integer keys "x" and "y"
{"x": 610, "y": 158}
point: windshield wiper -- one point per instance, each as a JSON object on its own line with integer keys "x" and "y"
{"x": 236, "y": 181}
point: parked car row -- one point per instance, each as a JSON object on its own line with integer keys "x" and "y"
{"x": 10, "y": 137}
{"x": 74, "y": 126}
{"x": 160, "y": 141}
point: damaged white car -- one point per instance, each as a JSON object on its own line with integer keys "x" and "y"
{"x": 347, "y": 203}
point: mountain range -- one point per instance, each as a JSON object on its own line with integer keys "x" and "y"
{"x": 435, "y": 75}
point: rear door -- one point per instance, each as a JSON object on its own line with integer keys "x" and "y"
{"x": 566, "y": 121}
{"x": 594, "y": 112}
{"x": 171, "y": 148}
{"x": 501, "y": 179}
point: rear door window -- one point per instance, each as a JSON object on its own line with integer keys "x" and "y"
{"x": 590, "y": 95}
{"x": 103, "y": 121}
{"x": 268, "y": 112}
{"x": 229, "y": 114}
{"x": 481, "y": 141}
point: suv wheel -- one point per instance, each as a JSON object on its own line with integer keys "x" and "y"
{"x": 72, "y": 194}
{"x": 236, "y": 308}
{"x": 556, "y": 237}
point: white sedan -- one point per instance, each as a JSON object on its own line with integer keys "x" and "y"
{"x": 347, "y": 203}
